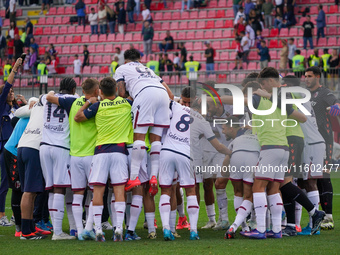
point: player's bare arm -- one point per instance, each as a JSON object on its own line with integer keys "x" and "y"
{"x": 171, "y": 95}
{"x": 50, "y": 97}
{"x": 221, "y": 148}
{"x": 80, "y": 116}
{"x": 121, "y": 89}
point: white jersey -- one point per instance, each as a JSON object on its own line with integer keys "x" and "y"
{"x": 310, "y": 127}
{"x": 137, "y": 77}
{"x": 56, "y": 125}
{"x": 245, "y": 141}
{"x": 32, "y": 135}
{"x": 186, "y": 127}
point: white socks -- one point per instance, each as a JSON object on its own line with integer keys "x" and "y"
{"x": 222, "y": 202}
{"x": 173, "y": 215}
{"x": 210, "y": 212}
{"x": 97, "y": 217}
{"x": 89, "y": 220}
{"x": 298, "y": 213}
{"x": 50, "y": 205}
{"x": 275, "y": 206}
{"x": 193, "y": 211}
{"x": 137, "y": 156}
{"x": 180, "y": 208}
{"x": 113, "y": 210}
{"x": 164, "y": 209}
{"x": 68, "y": 202}
{"x": 314, "y": 197}
{"x": 242, "y": 213}
{"x": 136, "y": 208}
{"x": 58, "y": 214}
{"x": 120, "y": 212}
{"x": 150, "y": 219}
{"x": 87, "y": 203}
{"x": 260, "y": 206}
{"x": 237, "y": 202}
{"x": 77, "y": 210}
{"x": 128, "y": 207}
{"x": 154, "y": 157}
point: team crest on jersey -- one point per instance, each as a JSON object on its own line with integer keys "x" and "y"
{"x": 316, "y": 94}
{"x": 17, "y": 184}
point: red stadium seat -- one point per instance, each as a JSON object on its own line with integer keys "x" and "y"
{"x": 95, "y": 69}
{"x": 63, "y": 30}
{"x": 189, "y": 46}
{"x": 119, "y": 38}
{"x": 68, "y": 10}
{"x": 265, "y": 32}
{"x": 332, "y": 31}
{"x": 184, "y": 15}
{"x": 334, "y": 9}
{"x": 60, "y": 39}
{"x": 194, "y": 15}
{"x": 87, "y": 70}
{"x": 284, "y": 32}
{"x": 42, "y": 21}
{"x": 183, "y": 25}
{"x": 47, "y": 30}
{"x": 107, "y": 59}
{"x": 104, "y": 69}
{"x": 333, "y": 19}
{"x": 218, "y": 34}
{"x": 253, "y": 55}
{"x": 174, "y": 26}
{"x": 76, "y": 39}
{"x": 85, "y": 39}
{"x": 220, "y": 14}
{"x": 225, "y": 44}
{"x": 313, "y": 10}
{"x": 181, "y": 36}
{"x": 66, "y": 50}
{"x": 191, "y": 35}
{"x": 331, "y": 41}
{"x": 53, "y": 11}
{"x": 229, "y": 24}
{"x": 208, "y": 34}
{"x": 63, "y": 61}
{"x": 60, "y": 11}
{"x": 137, "y": 37}
{"x": 52, "y": 39}
{"x": 75, "y": 49}
{"x": 159, "y": 16}
{"x": 222, "y": 4}
{"x": 216, "y": 45}
{"x": 252, "y": 66}
{"x": 65, "y": 20}
{"x": 273, "y": 54}
{"x": 273, "y": 44}
{"x": 80, "y": 30}
{"x": 97, "y": 59}
{"x": 55, "y": 30}
{"x": 43, "y": 40}
{"x": 71, "y": 30}
{"x": 293, "y": 31}
{"x": 198, "y": 46}
{"x": 227, "y": 34}
{"x": 224, "y": 56}
{"x": 192, "y": 25}
{"x": 42, "y": 50}
{"x": 128, "y": 37}
{"x": 100, "y": 48}
{"x": 212, "y": 4}
{"x": 219, "y": 23}
{"x": 108, "y": 48}
{"x": 322, "y": 42}
{"x": 203, "y": 15}
{"x": 274, "y": 32}
{"x": 91, "y": 48}
{"x": 199, "y": 34}
{"x": 223, "y": 67}
{"x": 49, "y": 21}
{"x": 94, "y": 38}
{"x": 201, "y": 24}
{"x": 230, "y": 13}
{"x": 176, "y": 16}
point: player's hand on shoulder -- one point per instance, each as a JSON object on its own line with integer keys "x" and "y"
{"x": 262, "y": 93}
{"x": 93, "y": 100}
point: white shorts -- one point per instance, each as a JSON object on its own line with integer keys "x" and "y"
{"x": 105, "y": 165}
{"x": 272, "y": 164}
{"x": 55, "y": 164}
{"x": 80, "y": 172}
{"x": 151, "y": 109}
{"x": 196, "y": 164}
{"x": 172, "y": 162}
{"x": 143, "y": 172}
{"x": 212, "y": 162}
{"x": 313, "y": 160}
{"x": 243, "y": 165}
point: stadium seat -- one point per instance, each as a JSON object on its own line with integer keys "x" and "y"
{"x": 191, "y": 35}
{"x": 42, "y": 21}
{"x": 230, "y": 13}
{"x": 159, "y": 16}
{"x": 265, "y": 32}
{"x": 94, "y": 38}
{"x": 227, "y": 34}
{"x": 108, "y": 48}
{"x": 322, "y": 42}
{"x": 52, "y": 39}
{"x": 189, "y": 46}
{"x": 197, "y": 56}
{"x": 220, "y": 13}
{"x": 63, "y": 60}
{"x": 50, "y": 21}
{"x": 75, "y": 49}
{"x": 76, "y": 39}
{"x": 85, "y": 39}
{"x": 332, "y": 31}
{"x": 331, "y": 41}
{"x": 60, "y": 11}
{"x": 47, "y": 30}
{"x": 167, "y": 16}
{"x": 183, "y": 25}
{"x": 181, "y": 36}
{"x": 229, "y": 24}
{"x": 224, "y": 56}
{"x": 198, "y": 46}
{"x": 219, "y": 23}
{"x": 293, "y": 31}
{"x": 60, "y": 39}
{"x": 232, "y": 55}
{"x": 66, "y": 50}
{"x": 43, "y": 40}
{"x": 252, "y": 66}
{"x": 274, "y": 32}
{"x": 107, "y": 59}
{"x": 222, "y": 4}
{"x": 273, "y": 44}
{"x": 199, "y": 34}
{"x": 137, "y": 37}
{"x": 334, "y": 9}
{"x": 95, "y": 69}
{"x": 211, "y": 14}
{"x": 184, "y": 15}
{"x": 177, "y": 5}
{"x": 100, "y": 48}
{"x": 273, "y": 54}
{"x": 217, "y": 34}
{"x": 225, "y": 44}
{"x": 71, "y": 30}
{"x": 192, "y": 25}
{"x": 193, "y": 15}
{"x": 55, "y": 30}
{"x": 203, "y": 14}
{"x": 201, "y": 24}
{"x": 284, "y": 32}
{"x": 174, "y": 26}
{"x": 87, "y": 70}
{"x": 223, "y": 67}
{"x": 208, "y": 34}
{"x": 216, "y": 45}
{"x": 65, "y": 20}
{"x": 42, "y": 50}
{"x": 104, "y": 69}
{"x": 165, "y": 26}
{"x": 176, "y": 16}
{"x": 97, "y": 59}
{"x": 332, "y": 19}
{"x": 53, "y": 11}
{"x": 253, "y": 55}
{"x": 79, "y": 30}
{"x": 313, "y": 10}
{"x": 63, "y": 30}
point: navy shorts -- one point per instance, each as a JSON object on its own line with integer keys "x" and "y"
{"x": 46, "y": 1}
{"x": 30, "y": 172}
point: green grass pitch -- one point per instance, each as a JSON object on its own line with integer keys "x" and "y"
{"x": 211, "y": 242}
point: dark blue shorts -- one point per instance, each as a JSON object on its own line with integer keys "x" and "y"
{"x": 30, "y": 172}
{"x": 46, "y": 1}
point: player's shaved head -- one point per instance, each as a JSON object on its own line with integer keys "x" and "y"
{"x": 132, "y": 55}
{"x": 68, "y": 85}
{"x": 108, "y": 86}
{"x": 89, "y": 86}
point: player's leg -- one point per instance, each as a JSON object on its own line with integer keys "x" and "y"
{"x": 173, "y": 210}
{"x": 193, "y": 211}
{"x": 222, "y": 201}
{"x": 156, "y": 146}
{"x": 135, "y": 210}
{"x": 208, "y": 185}
{"x": 149, "y": 209}
{"x": 120, "y": 207}
{"x": 182, "y": 219}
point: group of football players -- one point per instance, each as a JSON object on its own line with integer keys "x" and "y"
{"x": 127, "y": 133}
